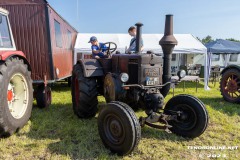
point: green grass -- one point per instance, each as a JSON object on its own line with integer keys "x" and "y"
{"x": 56, "y": 133}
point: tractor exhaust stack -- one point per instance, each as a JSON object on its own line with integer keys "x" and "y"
{"x": 138, "y": 37}
{"x": 168, "y": 43}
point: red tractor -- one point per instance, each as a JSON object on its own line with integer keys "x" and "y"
{"x": 16, "y": 91}
{"x": 230, "y": 84}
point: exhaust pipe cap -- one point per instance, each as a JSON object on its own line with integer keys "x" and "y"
{"x": 168, "y": 38}
{"x": 139, "y": 24}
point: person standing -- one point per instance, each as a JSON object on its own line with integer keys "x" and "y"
{"x": 132, "y": 47}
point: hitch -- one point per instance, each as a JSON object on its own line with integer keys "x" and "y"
{"x": 155, "y": 118}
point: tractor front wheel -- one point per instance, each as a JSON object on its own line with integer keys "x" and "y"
{"x": 16, "y": 96}
{"x": 119, "y": 128}
{"x": 230, "y": 85}
{"x": 191, "y": 116}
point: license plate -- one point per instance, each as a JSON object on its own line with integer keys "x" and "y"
{"x": 152, "y": 81}
{"x": 151, "y": 72}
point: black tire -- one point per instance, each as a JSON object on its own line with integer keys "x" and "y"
{"x": 203, "y": 105}
{"x": 229, "y": 86}
{"x": 127, "y": 128}
{"x": 14, "y": 73}
{"x": 84, "y": 94}
{"x": 43, "y": 96}
{"x": 69, "y": 80}
{"x": 196, "y": 117}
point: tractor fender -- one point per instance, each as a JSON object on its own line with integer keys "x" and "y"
{"x": 5, "y": 55}
{"x": 91, "y": 67}
{"x": 230, "y": 67}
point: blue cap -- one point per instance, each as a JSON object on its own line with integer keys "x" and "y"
{"x": 93, "y": 38}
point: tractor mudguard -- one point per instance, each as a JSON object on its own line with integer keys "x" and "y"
{"x": 91, "y": 67}
{"x": 5, "y": 55}
{"x": 229, "y": 67}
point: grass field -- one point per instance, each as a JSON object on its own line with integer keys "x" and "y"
{"x": 56, "y": 133}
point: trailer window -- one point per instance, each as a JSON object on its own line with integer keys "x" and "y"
{"x": 58, "y": 34}
{"x": 233, "y": 58}
{"x": 215, "y": 57}
{"x": 5, "y": 36}
{"x": 174, "y": 57}
{"x": 69, "y": 35}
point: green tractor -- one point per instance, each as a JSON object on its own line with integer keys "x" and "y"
{"x": 130, "y": 81}
{"x": 230, "y": 84}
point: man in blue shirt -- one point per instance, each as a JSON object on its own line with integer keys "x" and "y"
{"x": 98, "y": 49}
{"x": 132, "y": 47}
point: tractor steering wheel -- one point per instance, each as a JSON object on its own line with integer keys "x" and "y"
{"x": 110, "y": 49}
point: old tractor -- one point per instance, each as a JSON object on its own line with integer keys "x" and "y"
{"x": 135, "y": 80}
{"x": 230, "y": 84}
{"x": 16, "y": 91}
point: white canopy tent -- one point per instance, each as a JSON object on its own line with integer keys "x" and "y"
{"x": 187, "y": 44}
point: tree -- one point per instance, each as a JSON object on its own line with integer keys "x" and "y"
{"x": 232, "y": 39}
{"x": 207, "y": 39}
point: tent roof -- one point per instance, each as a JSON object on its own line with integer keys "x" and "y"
{"x": 186, "y": 43}
{"x": 223, "y": 46}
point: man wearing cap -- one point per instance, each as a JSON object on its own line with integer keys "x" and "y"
{"x": 98, "y": 49}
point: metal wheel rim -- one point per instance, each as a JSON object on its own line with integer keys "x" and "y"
{"x": 191, "y": 120}
{"x": 232, "y": 86}
{"x": 17, "y": 95}
{"x": 115, "y": 135}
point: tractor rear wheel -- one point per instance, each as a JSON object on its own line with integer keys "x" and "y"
{"x": 230, "y": 85}
{"x": 16, "y": 96}
{"x": 193, "y": 118}
{"x": 69, "y": 80}
{"x": 119, "y": 128}
{"x": 84, "y": 94}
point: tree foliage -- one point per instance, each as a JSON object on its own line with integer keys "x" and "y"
{"x": 232, "y": 39}
{"x": 209, "y": 38}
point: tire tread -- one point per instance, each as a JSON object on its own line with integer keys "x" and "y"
{"x": 88, "y": 93}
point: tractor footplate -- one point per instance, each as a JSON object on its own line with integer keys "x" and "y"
{"x": 154, "y": 118}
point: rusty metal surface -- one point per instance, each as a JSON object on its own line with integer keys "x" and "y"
{"x": 62, "y": 57}
{"x": 23, "y": 2}
{"x": 91, "y": 67}
{"x": 28, "y": 24}
{"x": 29, "y": 21}
{"x": 168, "y": 43}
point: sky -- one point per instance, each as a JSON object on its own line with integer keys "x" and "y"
{"x": 217, "y": 18}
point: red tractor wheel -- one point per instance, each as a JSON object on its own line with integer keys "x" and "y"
{"x": 230, "y": 85}
{"x": 16, "y": 96}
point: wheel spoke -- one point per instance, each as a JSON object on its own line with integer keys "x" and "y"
{"x": 236, "y": 94}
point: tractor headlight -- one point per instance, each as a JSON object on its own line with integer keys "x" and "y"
{"x": 181, "y": 74}
{"x": 124, "y": 77}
